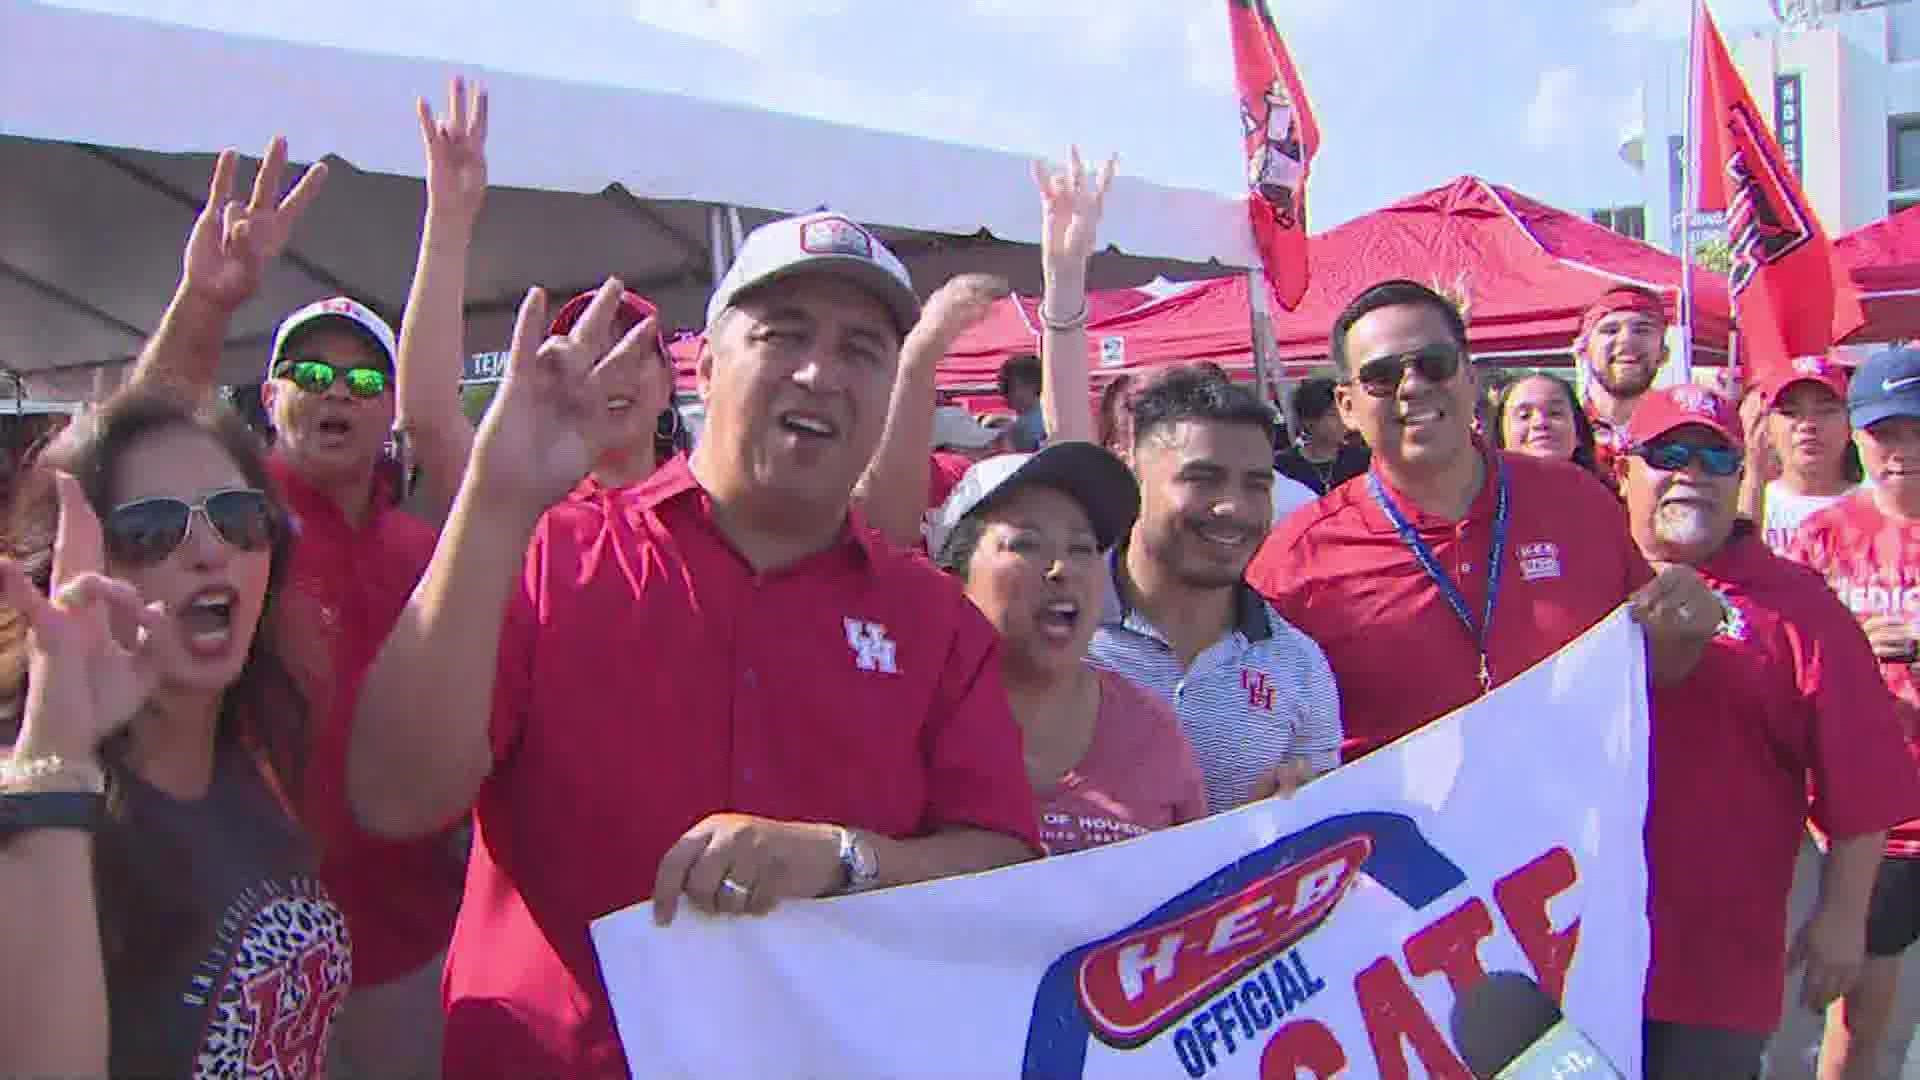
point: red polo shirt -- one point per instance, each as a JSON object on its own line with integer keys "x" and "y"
{"x": 1787, "y": 693}
{"x": 399, "y": 898}
{"x": 1872, "y": 562}
{"x": 648, "y": 677}
{"x": 1338, "y": 570}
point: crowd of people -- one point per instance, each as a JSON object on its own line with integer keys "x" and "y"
{"x": 302, "y": 782}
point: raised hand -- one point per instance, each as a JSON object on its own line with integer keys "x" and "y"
{"x": 456, "y": 153}
{"x": 231, "y": 242}
{"x": 84, "y": 682}
{"x": 959, "y": 305}
{"x": 1071, "y": 200}
{"x": 538, "y": 440}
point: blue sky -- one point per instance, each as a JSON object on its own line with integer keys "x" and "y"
{"x": 1409, "y": 93}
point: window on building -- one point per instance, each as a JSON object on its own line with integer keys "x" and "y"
{"x": 1903, "y": 152}
{"x": 1894, "y": 206}
{"x": 1628, "y": 221}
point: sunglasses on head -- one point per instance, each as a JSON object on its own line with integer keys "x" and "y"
{"x": 1678, "y": 456}
{"x": 146, "y": 531}
{"x": 1381, "y": 375}
{"x": 317, "y": 376}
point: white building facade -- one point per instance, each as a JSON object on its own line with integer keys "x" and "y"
{"x": 1841, "y": 80}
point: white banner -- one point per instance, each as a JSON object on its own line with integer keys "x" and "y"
{"x": 1291, "y": 939}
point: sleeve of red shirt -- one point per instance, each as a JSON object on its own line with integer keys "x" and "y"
{"x": 976, "y": 768}
{"x": 513, "y": 667}
{"x": 1863, "y": 780}
{"x": 1276, "y": 572}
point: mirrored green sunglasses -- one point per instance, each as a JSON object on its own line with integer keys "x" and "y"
{"x": 317, "y": 376}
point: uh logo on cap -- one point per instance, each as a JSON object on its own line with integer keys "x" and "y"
{"x": 835, "y": 236}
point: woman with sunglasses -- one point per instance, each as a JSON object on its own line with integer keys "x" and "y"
{"x": 164, "y": 914}
{"x": 1538, "y": 415}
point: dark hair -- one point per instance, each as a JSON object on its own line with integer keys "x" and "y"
{"x": 1396, "y": 293}
{"x": 1312, "y": 399}
{"x": 1113, "y": 398}
{"x": 1194, "y": 393}
{"x": 956, "y": 551}
{"x": 1019, "y": 371}
{"x": 147, "y": 921}
{"x": 1585, "y": 454}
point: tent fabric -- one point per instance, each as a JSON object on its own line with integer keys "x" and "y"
{"x": 1529, "y": 269}
{"x": 1883, "y": 262}
{"x": 104, "y": 176}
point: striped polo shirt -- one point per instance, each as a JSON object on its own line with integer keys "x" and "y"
{"x": 1261, "y": 694}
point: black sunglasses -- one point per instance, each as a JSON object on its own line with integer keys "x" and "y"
{"x": 146, "y": 531}
{"x": 1678, "y": 456}
{"x": 318, "y": 376}
{"x": 1381, "y": 375}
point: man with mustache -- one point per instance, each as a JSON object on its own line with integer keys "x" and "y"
{"x": 1472, "y": 564}
{"x": 1785, "y": 698}
{"x": 1622, "y": 345}
{"x": 1255, "y": 695}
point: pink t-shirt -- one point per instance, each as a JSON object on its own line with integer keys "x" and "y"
{"x": 1139, "y": 775}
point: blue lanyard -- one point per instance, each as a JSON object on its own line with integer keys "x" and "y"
{"x": 1425, "y": 557}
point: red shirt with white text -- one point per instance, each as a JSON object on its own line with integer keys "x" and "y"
{"x": 1872, "y": 561}
{"x": 1338, "y": 571}
{"x": 649, "y": 677}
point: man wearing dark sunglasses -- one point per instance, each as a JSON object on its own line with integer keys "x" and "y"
{"x": 1476, "y": 562}
{"x": 1786, "y": 698}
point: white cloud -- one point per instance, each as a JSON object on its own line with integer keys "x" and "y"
{"x": 1552, "y": 114}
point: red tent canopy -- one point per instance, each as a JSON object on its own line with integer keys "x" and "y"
{"x": 1529, "y": 269}
{"x": 1883, "y": 260}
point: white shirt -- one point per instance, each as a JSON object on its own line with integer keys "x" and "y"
{"x": 1786, "y": 509}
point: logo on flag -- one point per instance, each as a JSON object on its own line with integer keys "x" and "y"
{"x": 1281, "y": 137}
{"x": 1765, "y": 219}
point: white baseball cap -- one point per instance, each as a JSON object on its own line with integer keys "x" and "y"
{"x": 1101, "y": 483}
{"x": 353, "y": 312}
{"x": 954, "y": 426}
{"x": 823, "y": 242}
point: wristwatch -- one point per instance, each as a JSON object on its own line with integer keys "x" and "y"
{"x": 21, "y": 811}
{"x": 859, "y": 867}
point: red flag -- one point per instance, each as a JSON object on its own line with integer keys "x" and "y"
{"x": 1791, "y": 297}
{"x": 1280, "y": 140}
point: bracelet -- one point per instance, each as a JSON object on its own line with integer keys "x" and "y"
{"x": 1079, "y": 321}
{"x": 49, "y": 773}
{"x": 50, "y": 810}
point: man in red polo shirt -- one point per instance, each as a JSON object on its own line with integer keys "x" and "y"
{"x": 1787, "y": 696}
{"x": 1622, "y": 345}
{"x": 1472, "y": 565}
{"x": 329, "y": 395}
{"x": 722, "y": 689}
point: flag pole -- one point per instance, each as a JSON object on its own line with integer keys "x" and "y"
{"x": 1689, "y": 194}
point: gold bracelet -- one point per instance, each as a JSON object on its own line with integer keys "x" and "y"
{"x": 50, "y": 772}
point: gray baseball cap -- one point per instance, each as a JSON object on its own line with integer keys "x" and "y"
{"x": 1101, "y": 483}
{"x": 821, "y": 242}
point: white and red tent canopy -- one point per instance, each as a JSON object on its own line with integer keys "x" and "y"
{"x": 1529, "y": 270}
{"x": 1883, "y": 262}
{"x": 110, "y": 122}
